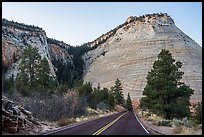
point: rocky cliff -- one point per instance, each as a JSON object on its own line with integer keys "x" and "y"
{"x": 16, "y": 118}
{"x": 15, "y": 38}
{"x": 129, "y": 54}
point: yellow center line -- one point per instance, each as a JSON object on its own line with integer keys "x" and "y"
{"x": 108, "y": 125}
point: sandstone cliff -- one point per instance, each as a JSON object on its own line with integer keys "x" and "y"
{"x": 130, "y": 52}
{"x": 15, "y": 38}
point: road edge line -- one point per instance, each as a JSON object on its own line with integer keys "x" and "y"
{"x": 140, "y": 123}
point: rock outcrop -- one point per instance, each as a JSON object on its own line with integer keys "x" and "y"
{"x": 130, "y": 53}
{"x": 16, "y": 118}
{"x": 15, "y": 38}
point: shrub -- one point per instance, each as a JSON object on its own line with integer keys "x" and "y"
{"x": 178, "y": 130}
{"x": 164, "y": 123}
{"x": 176, "y": 122}
{"x": 54, "y": 107}
{"x": 66, "y": 121}
{"x": 187, "y": 122}
{"x": 198, "y": 113}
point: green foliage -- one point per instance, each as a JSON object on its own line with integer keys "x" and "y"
{"x": 101, "y": 95}
{"x": 198, "y": 113}
{"x": 117, "y": 92}
{"x": 61, "y": 89}
{"x": 128, "y": 103}
{"x": 164, "y": 123}
{"x": 43, "y": 76}
{"x": 77, "y": 53}
{"x": 29, "y": 64}
{"x": 111, "y": 100}
{"x": 65, "y": 73}
{"x": 164, "y": 94}
{"x": 22, "y": 84}
{"x": 177, "y": 122}
{"x": 78, "y": 83}
{"x": 34, "y": 73}
{"x": 186, "y": 122}
{"x": 8, "y": 85}
{"x": 85, "y": 89}
{"x": 69, "y": 73}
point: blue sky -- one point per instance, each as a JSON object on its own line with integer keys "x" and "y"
{"x": 76, "y": 23}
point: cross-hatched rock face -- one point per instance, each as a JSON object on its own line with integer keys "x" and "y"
{"x": 130, "y": 53}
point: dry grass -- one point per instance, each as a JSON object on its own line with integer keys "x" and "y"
{"x": 93, "y": 114}
{"x": 66, "y": 121}
{"x": 178, "y": 129}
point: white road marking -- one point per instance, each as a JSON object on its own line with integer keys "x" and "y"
{"x": 140, "y": 123}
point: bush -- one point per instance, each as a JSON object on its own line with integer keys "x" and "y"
{"x": 176, "y": 122}
{"x": 164, "y": 123}
{"x": 186, "y": 122}
{"x": 54, "y": 107}
{"x": 178, "y": 130}
{"x": 61, "y": 89}
{"x": 198, "y": 113}
{"x": 66, "y": 121}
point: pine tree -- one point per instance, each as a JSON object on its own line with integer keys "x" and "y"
{"x": 22, "y": 82}
{"x": 29, "y": 64}
{"x": 85, "y": 89}
{"x": 164, "y": 94}
{"x": 198, "y": 113}
{"x": 117, "y": 92}
{"x": 111, "y": 100}
{"x": 26, "y": 80}
{"x": 128, "y": 103}
{"x": 43, "y": 71}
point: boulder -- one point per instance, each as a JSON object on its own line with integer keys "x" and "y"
{"x": 16, "y": 118}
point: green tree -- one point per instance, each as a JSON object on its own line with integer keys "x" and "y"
{"x": 111, "y": 100}
{"x": 101, "y": 95}
{"x": 22, "y": 84}
{"x": 29, "y": 64}
{"x": 95, "y": 96}
{"x": 34, "y": 72}
{"x": 8, "y": 84}
{"x": 85, "y": 89}
{"x": 117, "y": 92}
{"x": 198, "y": 113}
{"x": 43, "y": 71}
{"x": 128, "y": 103}
{"x": 164, "y": 94}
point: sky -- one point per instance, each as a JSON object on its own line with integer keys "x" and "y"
{"x": 76, "y": 23}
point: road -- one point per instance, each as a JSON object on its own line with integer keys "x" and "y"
{"x": 122, "y": 123}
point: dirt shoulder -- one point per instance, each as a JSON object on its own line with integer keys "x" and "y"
{"x": 165, "y": 130}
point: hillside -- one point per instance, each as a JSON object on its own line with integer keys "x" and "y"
{"x": 129, "y": 55}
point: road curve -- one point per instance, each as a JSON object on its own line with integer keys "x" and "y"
{"x": 122, "y": 123}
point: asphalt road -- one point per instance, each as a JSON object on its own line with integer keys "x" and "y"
{"x": 122, "y": 123}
